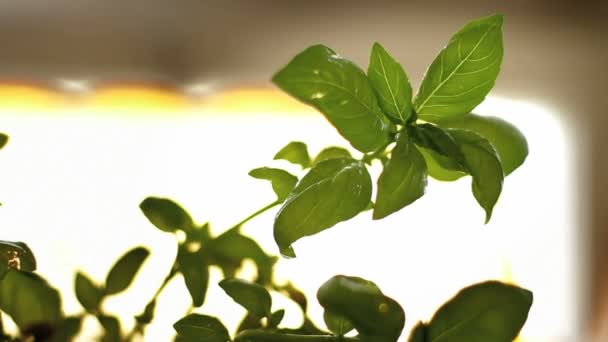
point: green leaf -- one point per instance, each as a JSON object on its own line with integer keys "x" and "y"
{"x": 253, "y": 297}
{"x": 30, "y": 301}
{"x": 441, "y": 167}
{"x": 282, "y": 181}
{"x": 436, "y": 139}
{"x": 111, "y": 327}
{"x": 340, "y": 90}
{"x": 419, "y": 333}
{"x": 464, "y": 72}
{"x": 374, "y": 315}
{"x": 125, "y": 269}
{"x": 197, "y": 327}
{"x": 489, "y": 311}
{"x": 275, "y": 318}
{"x": 147, "y": 316}
{"x": 195, "y": 269}
{"x": 331, "y": 153}
{"x": 231, "y": 248}
{"x": 166, "y": 215}
{"x": 483, "y": 164}
{"x": 88, "y": 294}
{"x": 391, "y": 84}
{"x": 403, "y": 179}
{"x": 3, "y": 140}
{"x": 16, "y": 255}
{"x": 337, "y": 324}
{"x": 333, "y": 191}
{"x": 68, "y": 329}
{"x": 509, "y": 142}
{"x": 295, "y": 152}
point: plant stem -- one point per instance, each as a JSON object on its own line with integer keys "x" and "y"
{"x": 376, "y": 154}
{"x": 139, "y": 326}
{"x": 257, "y": 213}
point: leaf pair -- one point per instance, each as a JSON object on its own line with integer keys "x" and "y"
{"x": 119, "y": 278}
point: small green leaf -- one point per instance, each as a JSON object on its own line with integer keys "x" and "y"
{"x": 489, "y": 311}
{"x": 282, "y": 181}
{"x": 147, "y": 316}
{"x": 88, "y": 294}
{"x": 483, "y": 164}
{"x": 253, "y": 297}
{"x": 337, "y": 324}
{"x": 441, "y": 167}
{"x": 295, "y": 152}
{"x": 341, "y": 91}
{"x": 125, "y": 269}
{"x": 331, "y": 153}
{"x": 419, "y": 333}
{"x": 509, "y": 142}
{"x": 197, "y": 327}
{"x": 436, "y": 139}
{"x": 111, "y": 327}
{"x": 3, "y": 140}
{"x": 375, "y": 316}
{"x": 275, "y": 318}
{"x": 231, "y": 248}
{"x": 333, "y": 191}
{"x": 68, "y": 329}
{"x": 166, "y": 215}
{"x": 29, "y": 300}
{"x": 464, "y": 72}
{"x": 195, "y": 269}
{"x": 390, "y": 83}
{"x": 16, "y": 255}
{"x": 403, "y": 179}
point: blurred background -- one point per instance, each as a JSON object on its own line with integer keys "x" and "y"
{"x": 110, "y": 101}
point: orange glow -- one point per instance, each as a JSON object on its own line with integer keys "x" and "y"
{"x": 23, "y": 96}
{"x": 243, "y": 100}
{"x": 136, "y": 98}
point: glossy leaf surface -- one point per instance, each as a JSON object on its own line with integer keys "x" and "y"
{"x": 341, "y": 91}
{"x": 464, "y": 72}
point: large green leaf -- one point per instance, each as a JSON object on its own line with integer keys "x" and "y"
{"x": 16, "y": 255}
{"x": 88, "y": 294}
{"x": 483, "y": 164}
{"x": 166, "y": 215}
{"x": 509, "y": 142}
{"x": 375, "y": 316}
{"x": 436, "y": 139}
{"x": 419, "y": 333}
{"x": 196, "y": 327}
{"x": 282, "y": 181}
{"x": 464, "y": 72}
{"x": 30, "y": 301}
{"x": 340, "y": 90}
{"x": 333, "y": 191}
{"x": 391, "y": 84}
{"x": 194, "y": 267}
{"x": 253, "y": 297}
{"x": 489, "y": 311}
{"x": 295, "y": 152}
{"x": 125, "y": 269}
{"x": 403, "y": 179}
{"x": 441, "y": 167}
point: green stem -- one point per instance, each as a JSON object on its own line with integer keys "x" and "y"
{"x": 270, "y": 336}
{"x": 257, "y": 213}
{"x": 376, "y": 154}
{"x": 139, "y": 326}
